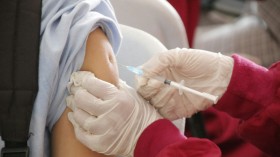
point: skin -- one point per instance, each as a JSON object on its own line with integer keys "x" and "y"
{"x": 100, "y": 60}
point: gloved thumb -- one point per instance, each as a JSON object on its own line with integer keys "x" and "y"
{"x": 159, "y": 65}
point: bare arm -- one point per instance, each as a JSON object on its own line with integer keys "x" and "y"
{"x": 100, "y": 60}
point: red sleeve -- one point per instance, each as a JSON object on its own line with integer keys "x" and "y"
{"x": 163, "y": 139}
{"x": 253, "y": 96}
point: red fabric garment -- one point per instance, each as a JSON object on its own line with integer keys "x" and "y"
{"x": 189, "y": 11}
{"x": 253, "y": 96}
{"x": 163, "y": 139}
{"x": 221, "y": 128}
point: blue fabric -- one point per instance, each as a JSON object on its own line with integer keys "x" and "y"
{"x": 64, "y": 30}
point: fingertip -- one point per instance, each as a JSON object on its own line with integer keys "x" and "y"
{"x": 69, "y": 102}
{"x": 71, "y": 119}
{"x": 70, "y": 116}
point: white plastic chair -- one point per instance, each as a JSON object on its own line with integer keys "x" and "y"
{"x": 157, "y": 17}
{"x": 137, "y": 47}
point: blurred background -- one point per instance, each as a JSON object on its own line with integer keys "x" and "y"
{"x": 247, "y": 27}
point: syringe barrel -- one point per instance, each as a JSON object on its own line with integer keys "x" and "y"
{"x": 202, "y": 94}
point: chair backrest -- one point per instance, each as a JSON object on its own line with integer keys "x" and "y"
{"x": 137, "y": 47}
{"x": 157, "y": 17}
{"x": 19, "y": 57}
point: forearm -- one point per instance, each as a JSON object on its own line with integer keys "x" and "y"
{"x": 250, "y": 90}
{"x": 100, "y": 60}
{"x": 253, "y": 96}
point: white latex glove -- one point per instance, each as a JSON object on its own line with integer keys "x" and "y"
{"x": 203, "y": 71}
{"x": 107, "y": 119}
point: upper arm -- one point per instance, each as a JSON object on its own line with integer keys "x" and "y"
{"x": 99, "y": 57}
{"x": 100, "y": 60}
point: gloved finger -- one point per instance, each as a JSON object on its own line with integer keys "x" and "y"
{"x": 159, "y": 63}
{"x": 76, "y": 80}
{"x": 148, "y": 88}
{"x": 93, "y": 85}
{"x": 169, "y": 111}
{"x": 162, "y": 98}
{"x": 92, "y": 124}
{"x": 70, "y": 102}
{"x": 82, "y": 135}
{"x": 72, "y": 120}
{"x": 91, "y": 104}
{"x": 82, "y": 118}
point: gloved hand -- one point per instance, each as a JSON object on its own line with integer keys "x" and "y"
{"x": 107, "y": 119}
{"x": 201, "y": 70}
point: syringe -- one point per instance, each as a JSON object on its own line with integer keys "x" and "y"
{"x": 179, "y": 86}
